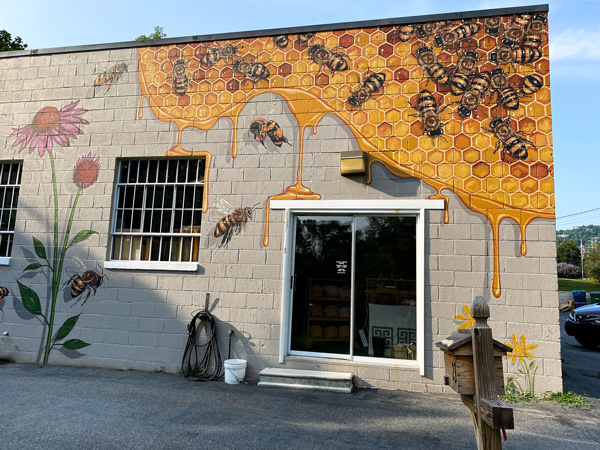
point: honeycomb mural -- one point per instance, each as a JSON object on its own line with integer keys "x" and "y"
{"x": 463, "y": 105}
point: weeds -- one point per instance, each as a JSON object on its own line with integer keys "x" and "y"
{"x": 568, "y": 398}
{"x": 161, "y": 369}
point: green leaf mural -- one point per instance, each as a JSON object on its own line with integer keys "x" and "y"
{"x": 74, "y": 344}
{"x": 82, "y": 236}
{"x": 66, "y": 327}
{"x": 32, "y": 266}
{"x": 30, "y": 300}
{"x": 39, "y": 248}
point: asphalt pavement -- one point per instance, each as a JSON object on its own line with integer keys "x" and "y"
{"x": 60, "y": 407}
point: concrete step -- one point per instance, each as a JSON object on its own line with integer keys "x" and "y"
{"x": 306, "y": 379}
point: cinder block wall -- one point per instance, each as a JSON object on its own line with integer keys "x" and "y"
{"x": 137, "y": 319}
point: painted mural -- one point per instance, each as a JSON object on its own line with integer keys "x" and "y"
{"x": 51, "y": 126}
{"x": 463, "y": 106}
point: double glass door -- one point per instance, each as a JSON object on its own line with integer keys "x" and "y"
{"x": 354, "y": 288}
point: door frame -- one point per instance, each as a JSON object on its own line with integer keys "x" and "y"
{"x": 416, "y": 207}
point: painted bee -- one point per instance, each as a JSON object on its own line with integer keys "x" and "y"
{"x": 303, "y": 38}
{"x": 372, "y": 83}
{"x": 405, "y": 32}
{"x": 531, "y": 84}
{"x": 522, "y": 20}
{"x": 335, "y": 61}
{"x": 459, "y": 83}
{"x": 435, "y": 71}
{"x": 533, "y": 40}
{"x": 506, "y": 95}
{"x": 429, "y": 110}
{"x": 3, "y": 293}
{"x": 460, "y": 33}
{"x": 262, "y": 128}
{"x": 180, "y": 77}
{"x": 513, "y": 36}
{"x": 512, "y": 142}
{"x": 252, "y": 70}
{"x": 526, "y": 54}
{"x": 110, "y": 76}
{"x": 281, "y": 41}
{"x": 214, "y": 55}
{"x": 465, "y": 66}
{"x": 493, "y": 25}
{"x": 472, "y": 98}
{"x": 233, "y": 223}
{"x": 538, "y": 24}
{"x": 86, "y": 282}
{"x": 430, "y": 28}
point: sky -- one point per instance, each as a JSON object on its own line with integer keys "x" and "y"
{"x": 574, "y": 36}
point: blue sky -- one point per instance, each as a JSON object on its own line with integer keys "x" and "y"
{"x": 574, "y": 56}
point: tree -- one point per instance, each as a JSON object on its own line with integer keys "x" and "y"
{"x": 158, "y": 34}
{"x": 568, "y": 252}
{"x": 7, "y": 43}
{"x": 592, "y": 263}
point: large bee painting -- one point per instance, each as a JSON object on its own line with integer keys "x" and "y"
{"x": 110, "y": 76}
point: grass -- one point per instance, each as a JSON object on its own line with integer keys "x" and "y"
{"x": 568, "y": 285}
{"x": 161, "y": 369}
{"x": 569, "y": 398}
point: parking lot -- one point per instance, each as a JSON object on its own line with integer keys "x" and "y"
{"x": 581, "y": 367}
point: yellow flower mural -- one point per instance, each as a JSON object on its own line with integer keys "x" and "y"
{"x": 467, "y": 319}
{"x": 520, "y": 349}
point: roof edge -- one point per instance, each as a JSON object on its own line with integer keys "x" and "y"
{"x": 278, "y": 31}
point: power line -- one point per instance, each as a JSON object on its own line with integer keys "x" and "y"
{"x": 578, "y": 213}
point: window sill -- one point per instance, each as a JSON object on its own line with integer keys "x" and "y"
{"x": 153, "y": 265}
{"x": 5, "y": 261}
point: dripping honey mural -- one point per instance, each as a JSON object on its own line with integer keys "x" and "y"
{"x": 446, "y": 121}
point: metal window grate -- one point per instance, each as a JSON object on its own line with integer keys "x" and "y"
{"x": 158, "y": 210}
{"x": 10, "y": 183}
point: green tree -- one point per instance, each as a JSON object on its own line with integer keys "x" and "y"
{"x": 591, "y": 263}
{"x": 568, "y": 252}
{"x": 7, "y": 43}
{"x": 158, "y": 34}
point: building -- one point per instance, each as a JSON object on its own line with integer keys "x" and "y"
{"x": 342, "y": 192}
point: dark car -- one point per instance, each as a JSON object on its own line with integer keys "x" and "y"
{"x": 584, "y": 325}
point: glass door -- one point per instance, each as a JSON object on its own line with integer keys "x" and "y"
{"x": 321, "y": 305}
{"x": 354, "y": 286}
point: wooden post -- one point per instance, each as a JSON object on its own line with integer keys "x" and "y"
{"x": 488, "y": 438}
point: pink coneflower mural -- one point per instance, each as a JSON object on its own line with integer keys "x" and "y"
{"x": 86, "y": 171}
{"x": 50, "y": 125}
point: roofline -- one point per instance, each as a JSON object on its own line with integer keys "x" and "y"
{"x": 279, "y": 31}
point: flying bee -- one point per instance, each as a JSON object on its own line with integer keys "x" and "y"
{"x": 180, "y": 77}
{"x": 233, "y": 224}
{"x": 531, "y": 84}
{"x": 493, "y": 25}
{"x": 334, "y": 60}
{"x": 110, "y": 76}
{"x": 472, "y": 98}
{"x": 281, "y": 41}
{"x": 3, "y": 293}
{"x": 372, "y": 83}
{"x": 512, "y": 142}
{"x": 262, "y": 128}
{"x": 461, "y": 33}
{"x": 429, "y": 112}
{"x": 303, "y": 38}
{"x": 405, "y": 32}
{"x": 88, "y": 281}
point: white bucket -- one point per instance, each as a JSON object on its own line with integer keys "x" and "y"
{"x": 235, "y": 370}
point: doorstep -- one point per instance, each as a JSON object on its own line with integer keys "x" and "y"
{"x": 306, "y": 379}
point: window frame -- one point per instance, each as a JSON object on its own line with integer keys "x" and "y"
{"x": 135, "y": 264}
{"x": 414, "y": 207}
{"x": 5, "y": 259}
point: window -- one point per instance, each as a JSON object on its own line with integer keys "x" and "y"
{"x": 10, "y": 182}
{"x": 354, "y": 275}
{"x": 158, "y": 210}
